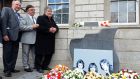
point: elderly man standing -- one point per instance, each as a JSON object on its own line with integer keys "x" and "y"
{"x": 0, "y": 29}
{"x": 28, "y": 26}
{"x": 11, "y": 35}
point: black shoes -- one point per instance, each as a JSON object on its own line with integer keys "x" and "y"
{"x": 15, "y": 71}
{"x": 40, "y": 70}
{"x": 0, "y": 77}
{"x": 34, "y": 67}
{"x": 8, "y": 74}
{"x": 28, "y": 70}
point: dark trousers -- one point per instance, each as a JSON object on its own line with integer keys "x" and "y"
{"x": 10, "y": 53}
{"x": 42, "y": 61}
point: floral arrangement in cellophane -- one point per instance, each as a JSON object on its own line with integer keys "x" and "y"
{"x": 56, "y": 72}
{"x": 104, "y": 23}
{"x": 93, "y": 75}
{"x": 53, "y": 74}
{"x": 75, "y": 74}
{"x": 78, "y": 24}
{"x": 125, "y": 74}
{"x": 61, "y": 68}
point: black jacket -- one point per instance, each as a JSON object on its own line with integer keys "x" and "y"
{"x": 0, "y": 28}
{"x": 10, "y": 23}
{"x": 0, "y": 19}
{"x": 45, "y": 40}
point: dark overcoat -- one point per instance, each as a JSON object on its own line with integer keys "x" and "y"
{"x": 45, "y": 40}
{"x": 0, "y": 28}
{"x": 10, "y": 23}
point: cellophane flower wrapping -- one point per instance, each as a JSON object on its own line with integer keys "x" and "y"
{"x": 94, "y": 75}
{"x": 125, "y": 74}
{"x": 75, "y": 74}
{"x": 56, "y": 72}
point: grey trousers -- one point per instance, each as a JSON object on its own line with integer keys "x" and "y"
{"x": 28, "y": 49}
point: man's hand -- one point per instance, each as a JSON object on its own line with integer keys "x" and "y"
{"x": 34, "y": 26}
{"x": 52, "y": 30}
{"x": 6, "y": 38}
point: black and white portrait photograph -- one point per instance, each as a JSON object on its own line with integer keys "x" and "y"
{"x": 99, "y": 61}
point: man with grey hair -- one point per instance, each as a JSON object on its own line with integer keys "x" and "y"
{"x": 0, "y": 27}
{"x": 11, "y": 35}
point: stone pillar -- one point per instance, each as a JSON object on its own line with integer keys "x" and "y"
{"x": 42, "y": 6}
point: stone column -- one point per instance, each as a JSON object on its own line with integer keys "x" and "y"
{"x": 43, "y": 4}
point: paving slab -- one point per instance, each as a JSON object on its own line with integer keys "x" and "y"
{"x": 22, "y": 74}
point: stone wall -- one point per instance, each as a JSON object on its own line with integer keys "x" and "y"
{"x": 89, "y": 10}
{"x": 127, "y": 46}
{"x": 62, "y": 55}
{"x": 35, "y": 3}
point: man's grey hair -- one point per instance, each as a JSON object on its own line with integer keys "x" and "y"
{"x": 47, "y": 8}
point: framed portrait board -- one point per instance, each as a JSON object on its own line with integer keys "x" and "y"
{"x": 102, "y": 60}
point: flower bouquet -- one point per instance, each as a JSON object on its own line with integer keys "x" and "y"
{"x": 56, "y": 72}
{"x": 104, "y": 23}
{"x": 93, "y": 75}
{"x": 125, "y": 74}
{"x": 53, "y": 74}
{"x": 78, "y": 24}
{"x": 61, "y": 68}
{"x": 75, "y": 74}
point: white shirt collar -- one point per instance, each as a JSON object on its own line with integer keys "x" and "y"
{"x": 32, "y": 18}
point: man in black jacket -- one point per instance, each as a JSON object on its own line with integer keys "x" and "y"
{"x": 0, "y": 21}
{"x": 0, "y": 32}
{"x": 0, "y": 28}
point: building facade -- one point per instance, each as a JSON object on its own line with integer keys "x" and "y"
{"x": 122, "y": 14}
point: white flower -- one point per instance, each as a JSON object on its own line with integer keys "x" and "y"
{"x": 75, "y": 74}
{"x": 78, "y": 24}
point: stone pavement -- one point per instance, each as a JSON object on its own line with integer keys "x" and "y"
{"x": 22, "y": 74}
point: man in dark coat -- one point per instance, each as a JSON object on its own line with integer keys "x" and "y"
{"x": 0, "y": 29}
{"x": 0, "y": 21}
{"x": 10, "y": 34}
{"x": 45, "y": 40}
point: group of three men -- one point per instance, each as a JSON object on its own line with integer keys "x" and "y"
{"x": 12, "y": 26}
